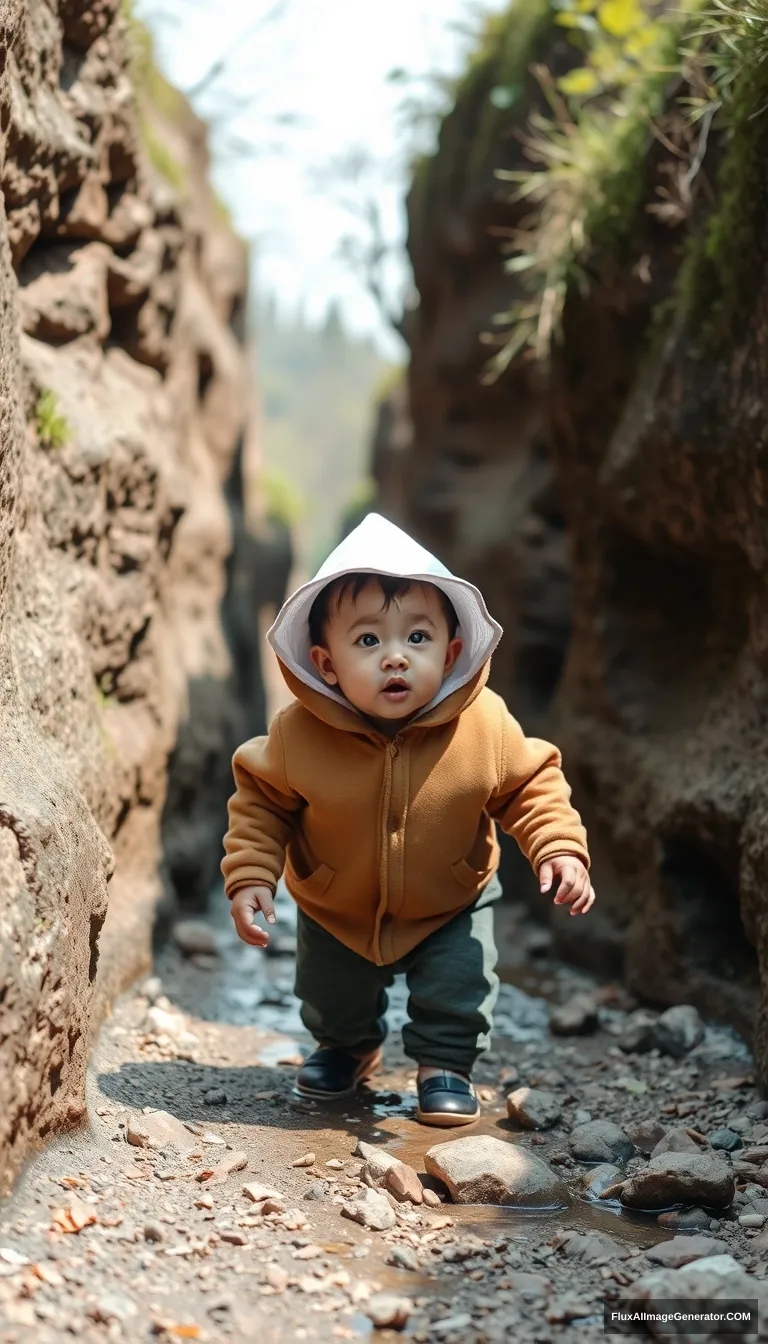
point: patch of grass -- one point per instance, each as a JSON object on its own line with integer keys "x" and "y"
{"x": 53, "y": 429}
{"x": 589, "y": 156}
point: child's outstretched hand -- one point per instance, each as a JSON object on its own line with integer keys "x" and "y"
{"x": 244, "y": 906}
{"x": 575, "y": 888}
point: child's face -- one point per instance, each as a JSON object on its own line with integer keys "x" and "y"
{"x": 367, "y": 648}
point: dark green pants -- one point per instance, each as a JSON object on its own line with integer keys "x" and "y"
{"x": 452, "y": 989}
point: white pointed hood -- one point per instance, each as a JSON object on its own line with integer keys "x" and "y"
{"x": 377, "y": 546}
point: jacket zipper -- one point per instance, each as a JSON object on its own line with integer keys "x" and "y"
{"x": 394, "y": 751}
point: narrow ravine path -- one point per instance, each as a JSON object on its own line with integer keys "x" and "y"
{"x": 106, "y": 1239}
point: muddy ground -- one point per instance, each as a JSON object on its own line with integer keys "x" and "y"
{"x": 106, "y": 1240}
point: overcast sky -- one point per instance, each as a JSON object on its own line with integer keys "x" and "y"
{"x": 327, "y": 62}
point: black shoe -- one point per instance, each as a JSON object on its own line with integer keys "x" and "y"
{"x": 334, "y": 1073}
{"x": 445, "y": 1100}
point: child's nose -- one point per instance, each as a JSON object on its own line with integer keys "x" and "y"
{"x": 395, "y": 658}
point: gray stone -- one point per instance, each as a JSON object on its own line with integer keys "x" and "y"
{"x": 403, "y": 1257}
{"x": 593, "y": 1248}
{"x": 160, "y": 1130}
{"x": 678, "y": 1030}
{"x": 483, "y": 1170}
{"x": 680, "y": 1178}
{"x": 578, "y": 1016}
{"x": 683, "y": 1250}
{"x": 533, "y": 1108}
{"x": 598, "y": 1179}
{"x": 645, "y": 1135}
{"x": 382, "y": 1169}
{"x": 676, "y": 1141}
{"x": 372, "y": 1210}
{"x": 318, "y": 1190}
{"x": 637, "y": 1033}
{"x": 688, "y": 1221}
{"x": 194, "y": 937}
{"x": 725, "y": 1139}
{"x": 600, "y": 1141}
{"x": 215, "y": 1096}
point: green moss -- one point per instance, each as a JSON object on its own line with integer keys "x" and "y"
{"x": 53, "y": 429}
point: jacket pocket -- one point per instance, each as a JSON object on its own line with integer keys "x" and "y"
{"x": 315, "y": 884}
{"x": 467, "y": 876}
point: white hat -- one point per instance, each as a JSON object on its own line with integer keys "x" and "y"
{"x": 377, "y": 546}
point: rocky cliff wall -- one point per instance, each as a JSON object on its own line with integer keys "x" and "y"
{"x": 610, "y": 501}
{"x": 122, "y": 406}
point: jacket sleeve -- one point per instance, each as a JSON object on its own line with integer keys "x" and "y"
{"x": 532, "y": 800}
{"x": 262, "y": 813}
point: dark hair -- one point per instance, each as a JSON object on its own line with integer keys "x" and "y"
{"x": 391, "y": 587}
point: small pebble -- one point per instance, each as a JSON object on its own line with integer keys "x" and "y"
{"x": 215, "y": 1097}
{"x": 727, "y": 1140}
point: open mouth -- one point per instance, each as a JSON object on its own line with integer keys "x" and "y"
{"x": 397, "y": 689}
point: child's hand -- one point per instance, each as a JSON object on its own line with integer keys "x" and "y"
{"x": 245, "y": 905}
{"x": 575, "y": 888}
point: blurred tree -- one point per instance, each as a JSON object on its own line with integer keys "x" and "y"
{"x": 318, "y": 385}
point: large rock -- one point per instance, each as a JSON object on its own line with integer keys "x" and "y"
{"x": 600, "y": 1141}
{"x": 484, "y": 1170}
{"x": 681, "y": 1178}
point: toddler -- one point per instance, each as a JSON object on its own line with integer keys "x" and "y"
{"x": 377, "y": 791}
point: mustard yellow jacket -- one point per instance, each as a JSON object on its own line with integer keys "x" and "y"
{"x": 382, "y": 839}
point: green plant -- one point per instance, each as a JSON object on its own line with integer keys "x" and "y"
{"x": 588, "y": 155}
{"x": 283, "y": 499}
{"x": 53, "y": 429}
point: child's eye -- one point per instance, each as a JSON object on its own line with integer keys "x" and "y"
{"x": 420, "y": 636}
{"x": 371, "y": 637}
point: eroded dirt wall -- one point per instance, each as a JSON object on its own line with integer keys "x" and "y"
{"x": 122, "y": 403}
